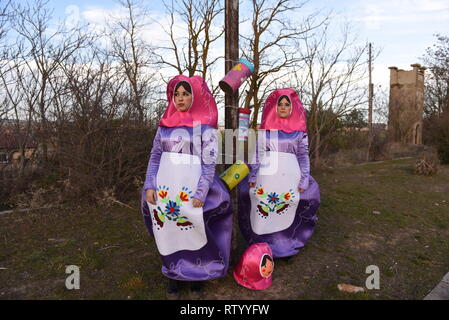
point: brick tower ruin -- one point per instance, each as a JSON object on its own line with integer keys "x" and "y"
{"x": 406, "y": 105}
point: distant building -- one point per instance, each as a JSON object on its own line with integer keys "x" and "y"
{"x": 406, "y": 105}
{"x": 11, "y": 140}
{"x": 376, "y": 127}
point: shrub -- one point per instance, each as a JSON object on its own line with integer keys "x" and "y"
{"x": 437, "y": 134}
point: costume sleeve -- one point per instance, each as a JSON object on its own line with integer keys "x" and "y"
{"x": 209, "y": 154}
{"x": 302, "y": 154}
{"x": 153, "y": 163}
{"x": 254, "y": 165}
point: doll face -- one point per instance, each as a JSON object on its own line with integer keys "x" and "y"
{"x": 284, "y": 108}
{"x": 183, "y": 99}
{"x": 266, "y": 267}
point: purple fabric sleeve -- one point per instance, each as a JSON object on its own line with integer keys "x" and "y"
{"x": 153, "y": 163}
{"x": 209, "y": 153}
{"x": 254, "y": 167}
{"x": 254, "y": 164}
{"x": 302, "y": 154}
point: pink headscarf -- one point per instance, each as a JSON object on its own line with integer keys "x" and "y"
{"x": 296, "y": 121}
{"x": 203, "y": 108}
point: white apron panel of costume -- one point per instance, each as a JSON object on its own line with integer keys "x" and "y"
{"x": 275, "y": 198}
{"x": 177, "y": 225}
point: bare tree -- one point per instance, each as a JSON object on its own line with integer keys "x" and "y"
{"x": 20, "y": 96}
{"x": 330, "y": 82}
{"x": 101, "y": 150}
{"x": 271, "y": 46}
{"x": 4, "y": 17}
{"x": 5, "y": 7}
{"x": 436, "y": 97}
{"x": 381, "y": 100}
{"x": 136, "y": 56}
{"x": 190, "y": 52}
{"x": 4, "y": 23}
{"x": 17, "y": 93}
{"x": 65, "y": 90}
{"x": 42, "y": 51}
{"x": 437, "y": 78}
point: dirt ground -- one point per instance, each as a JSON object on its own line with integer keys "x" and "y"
{"x": 406, "y": 237}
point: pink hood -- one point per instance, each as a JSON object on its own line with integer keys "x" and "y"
{"x": 296, "y": 121}
{"x": 203, "y": 109}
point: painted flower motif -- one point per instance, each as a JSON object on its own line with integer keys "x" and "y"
{"x": 172, "y": 208}
{"x": 287, "y": 196}
{"x": 260, "y": 191}
{"x": 184, "y": 196}
{"x": 159, "y": 217}
{"x": 183, "y": 222}
{"x": 163, "y": 194}
{"x": 273, "y": 197}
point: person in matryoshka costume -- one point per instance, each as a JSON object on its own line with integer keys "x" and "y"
{"x": 278, "y": 200}
{"x": 185, "y": 206}
{"x": 255, "y": 267}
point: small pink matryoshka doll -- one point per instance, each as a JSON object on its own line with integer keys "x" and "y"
{"x": 255, "y": 268}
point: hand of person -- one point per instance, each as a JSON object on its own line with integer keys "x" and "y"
{"x": 197, "y": 203}
{"x": 252, "y": 184}
{"x": 301, "y": 190}
{"x": 151, "y": 196}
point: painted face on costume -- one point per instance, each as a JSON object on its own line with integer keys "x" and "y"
{"x": 266, "y": 267}
{"x": 284, "y": 108}
{"x": 183, "y": 99}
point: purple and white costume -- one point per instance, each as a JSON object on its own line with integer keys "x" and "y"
{"x": 194, "y": 242}
{"x": 275, "y": 211}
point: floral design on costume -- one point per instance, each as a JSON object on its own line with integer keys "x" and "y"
{"x": 271, "y": 202}
{"x": 172, "y": 209}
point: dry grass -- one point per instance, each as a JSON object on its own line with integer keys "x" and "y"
{"x": 406, "y": 238}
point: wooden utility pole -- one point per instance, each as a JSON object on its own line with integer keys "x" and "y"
{"x": 370, "y": 103}
{"x": 232, "y": 99}
{"x": 231, "y": 55}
